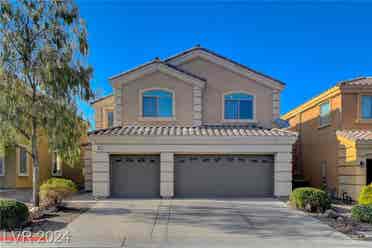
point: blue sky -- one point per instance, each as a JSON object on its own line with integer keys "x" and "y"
{"x": 308, "y": 45}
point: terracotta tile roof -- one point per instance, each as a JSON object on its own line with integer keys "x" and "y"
{"x": 356, "y": 135}
{"x": 218, "y": 131}
{"x": 360, "y": 81}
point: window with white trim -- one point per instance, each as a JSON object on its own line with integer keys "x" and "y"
{"x": 238, "y": 106}
{"x": 23, "y": 162}
{"x": 56, "y": 165}
{"x": 2, "y": 165}
{"x": 157, "y": 103}
{"x": 325, "y": 113}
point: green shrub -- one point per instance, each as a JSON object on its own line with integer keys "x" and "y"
{"x": 362, "y": 213}
{"x": 13, "y": 214}
{"x": 54, "y": 190}
{"x": 365, "y": 196}
{"x": 310, "y": 199}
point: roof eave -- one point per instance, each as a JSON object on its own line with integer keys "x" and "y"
{"x": 154, "y": 66}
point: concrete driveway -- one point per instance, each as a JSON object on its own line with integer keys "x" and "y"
{"x": 201, "y": 223}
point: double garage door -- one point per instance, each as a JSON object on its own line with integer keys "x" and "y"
{"x": 194, "y": 175}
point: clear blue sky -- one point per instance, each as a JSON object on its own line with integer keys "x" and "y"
{"x": 309, "y": 46}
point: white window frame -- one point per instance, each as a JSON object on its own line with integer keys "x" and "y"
{"x": 141, "y": 117}
{"x": 55, "y": 159}
{"x": 329, "y": 114}
{"x": 19, "y": 162}
{"x": 253, "y": 120}
{"x": 3, "y": 164}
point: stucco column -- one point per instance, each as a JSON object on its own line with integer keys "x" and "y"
{"x": 87, "y": 158}
{"x": 283, "y": 174}
{"x": 197, "y": 106}
{"x": 100, "y": 172}
{"x": 166, "y": 174}
{"x": 276, "y": 104}
{"x": 118, "y": 94}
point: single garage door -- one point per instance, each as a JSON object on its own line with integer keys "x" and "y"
{"x": 224, "y": 175}
{"x": 135, "y": 176}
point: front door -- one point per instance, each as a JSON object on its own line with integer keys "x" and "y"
{"x": 369, "y": 171}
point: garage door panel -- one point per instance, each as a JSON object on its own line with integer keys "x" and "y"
{"x": 223, "y": 176}
{"x": 136, "y": 176}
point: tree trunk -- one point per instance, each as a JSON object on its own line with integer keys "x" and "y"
{"x": 35, "y": 162}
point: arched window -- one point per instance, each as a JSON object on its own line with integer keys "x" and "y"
{"x": 157, "y": 103}
{"x": 238, "y": 106}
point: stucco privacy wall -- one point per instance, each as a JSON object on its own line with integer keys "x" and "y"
{"x": 101, "y": 151}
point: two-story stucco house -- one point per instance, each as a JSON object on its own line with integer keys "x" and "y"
{"x": 196, "y": 124}
{"x": 334, "y": 148}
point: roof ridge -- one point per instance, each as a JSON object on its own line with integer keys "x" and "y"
{"x": 345, "y": 81}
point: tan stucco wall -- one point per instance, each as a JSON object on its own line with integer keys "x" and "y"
{"x": 101, "y": 108}
{"x": 183, "y": 99}
{"x": 221, "y": 80}
{"x": 351, "y": 176}
{"x": 8, "y": 180}
{"x": 318, "y": 144}
{"x": 13, "y": 180}
{"x": 351, "y": 117}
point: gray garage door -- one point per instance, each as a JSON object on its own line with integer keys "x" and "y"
{"x": 223, "y": 176}
{"x": 135, "y": 176}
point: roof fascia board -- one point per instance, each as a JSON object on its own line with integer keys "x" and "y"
{"x": 128, "y": 77}
{"x": 192, "y": 140}
{"x": 101, "y": 99}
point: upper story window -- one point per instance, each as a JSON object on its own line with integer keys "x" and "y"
{"x": 238, "y": 106}
{"x": 366, "y": 107}
{"x": 325, "y": 114}
{"x": 110, "y": 119}
{"x": 157, "y": 103}
{"x": 2, "y": 165}
{"x": 23, "y": 162}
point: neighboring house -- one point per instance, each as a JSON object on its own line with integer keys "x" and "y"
{"x": 16, "y": 167}
{"x": 194, "y": 125}
{"x": 334, "y": 149}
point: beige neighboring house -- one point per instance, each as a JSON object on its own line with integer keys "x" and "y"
{"x": 334, "y": 149}
{"x": 196, "y": 124}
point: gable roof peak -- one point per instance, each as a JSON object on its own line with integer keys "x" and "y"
{"x": 229, "y": 63}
